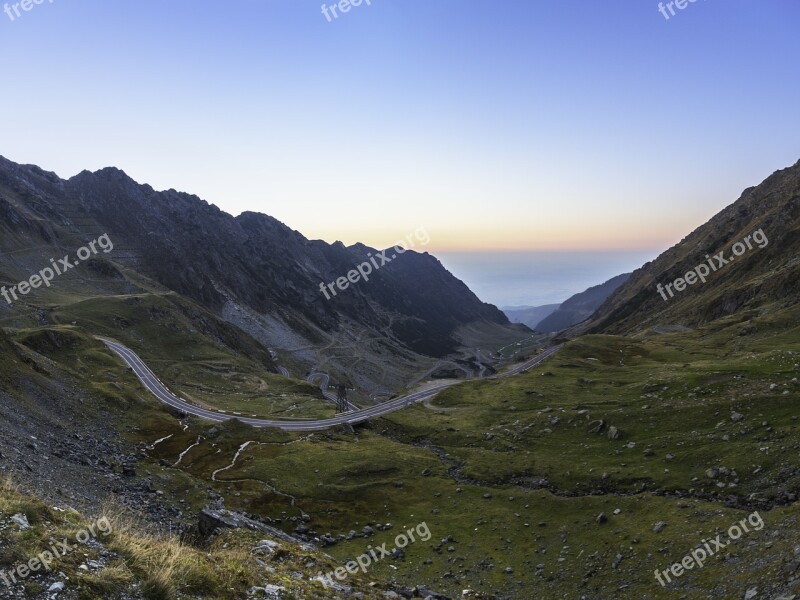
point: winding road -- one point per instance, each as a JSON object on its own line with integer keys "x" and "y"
{"x": 331, "y": 397}
{"x": 159, "y": 390}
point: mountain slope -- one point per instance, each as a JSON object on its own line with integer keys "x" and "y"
{"x": 758, "y": 277}
{"x": 250, "y": 270}
{"x": 580, "y": 306}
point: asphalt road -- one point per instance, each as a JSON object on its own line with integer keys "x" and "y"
{"x": 155, "y": 387}
{"x": 331, "y": 397}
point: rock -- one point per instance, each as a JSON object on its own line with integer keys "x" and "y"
{"x": 271, "y": 592}
{"x": 617, "y": 561}
{"x": 601, "y": 518}
{"x": 266, "y": 547}
{"x": 57, "y": 587}
{"x": 613, "y": 433}
{"x": 659, "y": 527}
{"x": 712, "y": 473}
{"x": 751, "y": 593}
{"x": 331, "y": 583}
{"x": 735, "y": 417}
{"x": 212, "y": 519}
{"x": 597, "y": 426}
{"x": 21, "y": 520}
{"x": 423, "y": 592}
{"x": 508, "y": 570}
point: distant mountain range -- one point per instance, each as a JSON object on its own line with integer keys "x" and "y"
{"x": 529, "y": 315}
{"x": 552, "y": 318}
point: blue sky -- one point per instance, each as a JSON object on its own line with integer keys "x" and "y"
{"x": 524, "y": 124}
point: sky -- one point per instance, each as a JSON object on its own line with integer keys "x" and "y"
{"x": 524, "y": 125}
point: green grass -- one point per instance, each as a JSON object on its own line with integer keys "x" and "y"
{"x": 670, "y": 394}
{"x": 209, "y": 363}
{"x": 547, "y": 479}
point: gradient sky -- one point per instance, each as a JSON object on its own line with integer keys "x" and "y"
{"x": 527, "y": 124}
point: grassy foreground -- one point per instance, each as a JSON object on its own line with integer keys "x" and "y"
{"x": 116, "y": 556}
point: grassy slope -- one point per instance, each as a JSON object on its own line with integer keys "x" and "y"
{"x": 126, "y": 557}
{"x": 673, "y": 394}
{"x": 207, "y": 362}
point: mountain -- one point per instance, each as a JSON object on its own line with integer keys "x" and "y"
{"x": 764, "y": 222}
{"x": 529, "y": 315}
{"x": 680, "y": 427}
{"x": 251, "y": 271}
{"x": 580, "y": 306}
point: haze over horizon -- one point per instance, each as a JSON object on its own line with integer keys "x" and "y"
{"x": 485, "y": 126}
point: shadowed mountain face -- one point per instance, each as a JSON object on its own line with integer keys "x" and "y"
{"x": 249, "y": 265}
{"x": 580, "y": 306}
{"x": 765, "y": 221}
